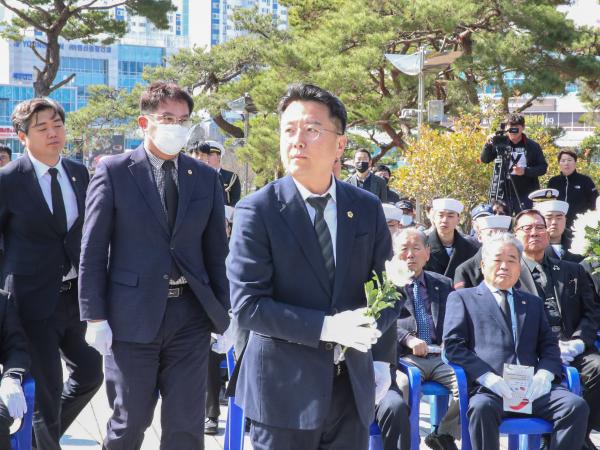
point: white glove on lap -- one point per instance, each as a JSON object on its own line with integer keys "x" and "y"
{"x": 11, "y": 394}
{"x": 352, "y": 329}
{"x": 540, "y": 385}
{"x": 383, "y": 379}
{"x": 570, "y": 349}
{"x": 99, "y": 335}
{"x": 496, "y": 384}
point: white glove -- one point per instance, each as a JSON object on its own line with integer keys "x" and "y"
{"x": 570, "y": 349}
{"x": 577, "y": 347}
{"x": 224, "y": 341}
{"x": 99, "y": 335}
{"x": 352, "y": 329}
{"x": 496, "y": 384}
{"x": 541, "y": 383}
{"x": 383, "y": 379}
{"x": 11, "y": 394}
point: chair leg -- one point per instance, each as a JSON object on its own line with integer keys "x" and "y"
{"x": 533, "y": 442}
{"x": 513, "y": 442}
{"x": 375, "y": 442}
{"x": 438, "y": 405}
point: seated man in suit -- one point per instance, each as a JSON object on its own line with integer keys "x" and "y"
{"x": 569, "y": 303}
{"x": 420, "y": 331}
{"x": 493, "y": 324}
{"x": 15, "y": 362}
{"x": 448, "y": 247}
{"x": 363, "y": 178}
{"x": 468, "y": 274}
{"x": 555, "y": 215}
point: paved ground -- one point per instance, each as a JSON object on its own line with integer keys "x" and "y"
{"x": 89, "y": 429}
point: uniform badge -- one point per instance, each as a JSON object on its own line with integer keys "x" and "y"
{"x": 73, "y": 178}
{"x": 555, "y": 267}
{"x": 350, "y": 214}
{"x": 189, "y": 171}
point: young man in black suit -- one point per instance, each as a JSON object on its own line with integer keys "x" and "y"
{"x": 42, "y": 199}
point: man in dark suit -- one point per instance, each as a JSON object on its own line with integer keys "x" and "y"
{"x": 301, "y": 250}
{"x": 153, "y": 282}
{"x": 494, "y": 324}
{"x": 41, "y": 214}
{"x": 232, "y": 187}
{"x": 15, "y": 363}
{"x": 419, "y": 329}
{"x": 363, "y": 178}
{"x": 448, "y": 247}
{"x": 468, "y": 274}
{"x": 570, "y": 305}
{"x": 384, "y": 172}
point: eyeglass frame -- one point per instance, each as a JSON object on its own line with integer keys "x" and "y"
{"x": 537, "y": 227}
{"x": 187, "y": 122}
{"x": 304, "y": 131}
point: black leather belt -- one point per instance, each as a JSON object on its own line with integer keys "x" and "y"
{"x": 176, "y": 291}
{"x": 66, "y": 286}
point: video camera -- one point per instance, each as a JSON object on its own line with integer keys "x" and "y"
{"x": 501, "y": 142}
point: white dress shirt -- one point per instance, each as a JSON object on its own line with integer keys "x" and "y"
{"x": 330, "y": 213}
{"x": 68, "y": 194}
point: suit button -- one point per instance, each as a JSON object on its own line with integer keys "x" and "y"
{"x": 328, "y": 346}
{"x": 165, "y": 276}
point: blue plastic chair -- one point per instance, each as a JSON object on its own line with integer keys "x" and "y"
{"x": 375, "y": 442}
{"x": 21, "y": 440}
{"x": 235, "y": 426}
{"x": 438, "y": 400}
{"x": 523, "y": 433}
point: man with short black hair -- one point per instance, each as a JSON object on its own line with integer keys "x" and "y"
{"x": 41, "y": 215}
{"x": 153, "y": 282}
{"x": 578, "y": 190}
{"x": 383, "y": 172}
{"x": 5, "y": 155}
{"x": 363, "y": 178}
{"x": 232, "y": 187}
{"x": 527, "y": 163}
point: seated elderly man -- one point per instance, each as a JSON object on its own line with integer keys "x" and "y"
{"x": 495, "y": 324}
{"x": 420, "y": 330}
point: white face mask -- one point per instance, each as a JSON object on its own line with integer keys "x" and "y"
{"x": 170, "y": 139}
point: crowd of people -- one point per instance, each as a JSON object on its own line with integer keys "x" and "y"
{"x": 143, "y": 275}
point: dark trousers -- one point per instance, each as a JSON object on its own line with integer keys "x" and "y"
{"x": 5, "y": 423}
{"x": 342, "y": 430}
{"x": 58, "y": 404}
{"x": 567, "y": 412}
{"x": 213, "y": 385}
{"x": 392, "y": 415}
{"x": 172, "y": 365}
{"x": 588, "y": 365}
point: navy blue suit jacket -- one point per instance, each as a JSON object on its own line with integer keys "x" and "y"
{"x": 281, "y": 293}
{"x": 477, "y": 337}
{"x": 35, "y": 250}
{"x": 127, "y": 246}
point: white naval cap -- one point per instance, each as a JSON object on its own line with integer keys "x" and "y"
{"x": 447, "y": 204}
{"x": 543, "y": 195}
{"x": 214, "y": 145}
{"x": 391, "y": 212}
{"x": 552, "y": 206}
{"x": 487, "y": 222}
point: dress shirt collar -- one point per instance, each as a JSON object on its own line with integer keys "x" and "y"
{"x": 156, "y": 161}
{"x": 420, "y": 279}
{"x": 496, "y": 290}
{"x": 305, "y": 193}
{"x": 41, "y": 169}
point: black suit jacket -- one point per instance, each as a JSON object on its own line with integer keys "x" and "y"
{"x": 438, "y": 289}
{"x": 377, "y": 185}
{"x": 568, "y": 256}
{"x": 576, "y": 298}
{"x": 35, "y": 251}
{"x": 440, "y": 262}
{"x": 232, "y": 188}
{"x": 13, "y": 344}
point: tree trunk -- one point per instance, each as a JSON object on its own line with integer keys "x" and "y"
{"x": 44, "y": 78}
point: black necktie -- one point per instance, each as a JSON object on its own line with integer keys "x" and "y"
{"x": 171, "y": 194}
{"x": 323, "y": 235}
{"x": 505, "y": 307}
{"x": 58, "y": 204}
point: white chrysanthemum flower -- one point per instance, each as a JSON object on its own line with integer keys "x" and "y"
{"x": 580, "y": 244}
{"x": 398, "y": 272}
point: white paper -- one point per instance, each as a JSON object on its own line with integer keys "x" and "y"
{"x": 518, "y": 379}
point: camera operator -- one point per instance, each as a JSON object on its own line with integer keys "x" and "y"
{"x": 527, "y": 162}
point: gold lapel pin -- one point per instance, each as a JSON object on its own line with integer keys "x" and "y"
{"x": 437, "y": 288}
{"x": 73, "y": 178}
{"x": 350, "y": 214}
{"x": 189, "y": 171}
{"x": 522, "y": 302}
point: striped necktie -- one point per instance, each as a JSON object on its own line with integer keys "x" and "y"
{"x": 323, "y": 235}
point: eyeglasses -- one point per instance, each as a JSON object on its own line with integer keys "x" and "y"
{"x": 530, "y": 228}
{"x": 310, "y": 132}
{"x": 169, "y": 119}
